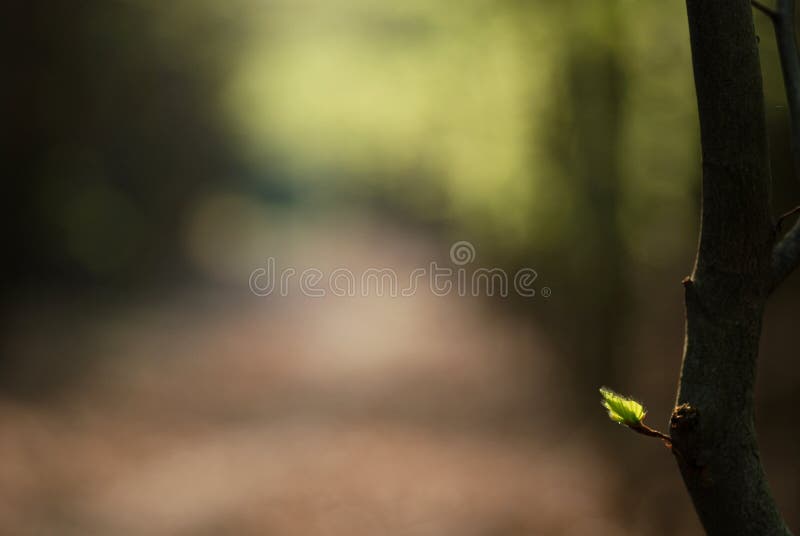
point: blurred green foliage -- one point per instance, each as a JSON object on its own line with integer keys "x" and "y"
{"x": 463, "y": 110}
{"x": 518, "y": 123}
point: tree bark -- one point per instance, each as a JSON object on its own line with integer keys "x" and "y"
{"x": 712, "y": 427}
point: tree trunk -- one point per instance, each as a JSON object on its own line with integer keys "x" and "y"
{"x": 712, "y": 427}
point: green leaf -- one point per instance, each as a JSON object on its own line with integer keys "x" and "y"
{"x": 621, "y": 409}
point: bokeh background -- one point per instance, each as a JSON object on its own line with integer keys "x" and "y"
{"x": 159, "y": 152}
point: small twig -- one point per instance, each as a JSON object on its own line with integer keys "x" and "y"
{"x": 650, "y": 432}
{"x": 784, "y": 24}
{"x": 786, "y": 215}
{"x": 768, "y": 11}
{"x": 786, "y": 253}
{"x": 785, "y": 256}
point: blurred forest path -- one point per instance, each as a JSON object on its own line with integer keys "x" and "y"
{"x": 216, "y": 411}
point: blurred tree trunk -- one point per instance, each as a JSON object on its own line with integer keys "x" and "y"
{"x": 712, "y": 427}
{"x": 596, "y": 93}
{"x": 586, "y": 125}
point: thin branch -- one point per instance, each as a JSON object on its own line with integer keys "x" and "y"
{"x": 768, "y": 11}
{"x": 651, "y": 432}
{"x": 786, "y": 254}
{"x": 786, "y": 215}
{"x": 783, "y": 22}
